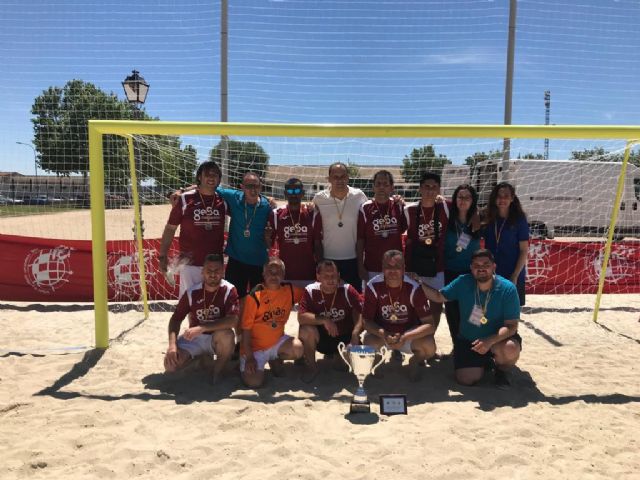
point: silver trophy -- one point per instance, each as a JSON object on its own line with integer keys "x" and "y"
{"x": 360, "y": 360}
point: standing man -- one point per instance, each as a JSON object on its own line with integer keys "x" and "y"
{"x": 381, "y": 223}
{"x": 427, "y": 223}
{"x": 329, "y": 313}
{"x": 264, "y": 316}
{"x": 339, "y": 207}
{"x": 489, "y": 315}
{"x": 246, "y": 245}
{"x": 396, "y": 314}
{"x": 297, "y": 231}
{"x": 200, "y": 214}
{"x": 212, "y": 307}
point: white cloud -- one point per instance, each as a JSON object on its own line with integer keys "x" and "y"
{"x": 467, "y": 57}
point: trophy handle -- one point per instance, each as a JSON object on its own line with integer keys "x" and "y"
{"x": 342, "y": 350}
{"x": 383, "y": 357}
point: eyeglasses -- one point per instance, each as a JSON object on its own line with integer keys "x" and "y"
{"x": 464, "y": 197}
{"x": 293, "y": 191}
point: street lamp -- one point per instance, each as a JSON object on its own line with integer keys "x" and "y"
{"x": 35, "y": 160}
{"x": 136, "y": 89}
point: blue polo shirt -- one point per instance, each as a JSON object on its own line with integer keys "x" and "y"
{"x": 251, "y": 250}
{"x": 504, "y": 304}
{"x": 507, "y": 251}
{"x": 459, "y": 261}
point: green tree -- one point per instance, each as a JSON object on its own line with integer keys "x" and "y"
{"x": 353, "y": 169}
{"x": 421, "y": 160}
{"x": 531, "y": 156}
{"x": 477, "y": 157}
{"x": 599, "y": 154}
{"x": 61, "y": 116}
{"x": 242, "y": 157}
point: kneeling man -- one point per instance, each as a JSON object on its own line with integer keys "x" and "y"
{"x": 396, "y": 314}
{"x": 212, "y": 307}
{"x": 329, "y": 313}
{"x": 489, "y": 315}
{"x": 264, "y": 316}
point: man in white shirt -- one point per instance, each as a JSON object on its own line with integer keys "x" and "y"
{"x": 339, "y": 207}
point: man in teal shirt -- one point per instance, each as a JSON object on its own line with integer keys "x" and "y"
{"x": 489, "y": 315}
{"x": 246, "y": 246}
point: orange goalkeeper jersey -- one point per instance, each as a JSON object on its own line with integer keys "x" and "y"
{"x": 266, "y": 312}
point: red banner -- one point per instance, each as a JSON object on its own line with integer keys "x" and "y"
{"x": 50, "y": 270}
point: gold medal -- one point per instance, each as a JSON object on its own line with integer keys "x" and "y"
{"x": 428, "y": 241}
{"x": 340, "y": 224}
{"x": 393, "y": 317}
{"x": 208, "y": 226}
{"x": 296, "y": 241}
{"x": 459, "y": 249}
{"x": 247, "y": 233}
{"x": 274, "y": 324}
{"x": 483, "y": 320}
{"x": 385, "y": 234}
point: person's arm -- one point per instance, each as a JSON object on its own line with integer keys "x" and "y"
{"x": 167, "y": 237}
{"x": 309, "y": 318}
{"x": 362, "y": 271}
{"x": 374, "y": 329}
{"x": 425, "y": 328}
{"x": 318, "y": 251}
{"x": 249, "y": 311}
{"x": 483, "y": 345}
{"x": 523, "y": 245}
{"x": 250, "y": 361}
{"x": 432, "y": 294}
{"x": 181, "y": 311}
{"x": 358, "y": 327}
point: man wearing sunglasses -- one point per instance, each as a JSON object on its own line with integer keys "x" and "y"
{"x": 297, "y": 231}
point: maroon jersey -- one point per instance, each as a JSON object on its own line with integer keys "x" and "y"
{"x": 421, "y": 226}
{"x": 201, "y": 220}
{"x": 205, "y": 307}
{"x": 396, "y": 310}
{"x": 381, "y": 227}
{"x": 339, "y": 307}
{"x": 295, "y": 235}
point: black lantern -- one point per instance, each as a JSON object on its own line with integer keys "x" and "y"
{"x": 135, "y": 88}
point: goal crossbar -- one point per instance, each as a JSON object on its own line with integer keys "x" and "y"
{"x": 127, "y": 128}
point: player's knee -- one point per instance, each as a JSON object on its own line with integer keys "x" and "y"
{"x": 308, "y": 334}
{"x": 297, "y": 348}
{"x": 467, "y": 378}
{"x": 253, "y": 381}
{"x": 223, "y": 342}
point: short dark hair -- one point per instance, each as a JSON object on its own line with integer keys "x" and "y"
{"x": 208, "y": 165}
{"x": 483, "y": 253}
{"x": 325, "y": 264}
{"x": 293, "y": 181}
{"x": 214, "y": 258}
{"x": 338, "y": 165}
{"x": 383, "y": 172}
{"x": 250, "y": 172}
{"x": 430, "y": 176}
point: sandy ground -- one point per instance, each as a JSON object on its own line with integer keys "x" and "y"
{"x": 66, "y": 410}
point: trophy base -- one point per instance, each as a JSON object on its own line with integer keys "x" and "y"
{"x": 360, "y": 407}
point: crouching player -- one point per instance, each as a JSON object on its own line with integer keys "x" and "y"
{"x": 212, "y": 307}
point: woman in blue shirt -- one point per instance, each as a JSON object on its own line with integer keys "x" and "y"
{"x": 462, "y": 239}
{"x": 507, "y": 235}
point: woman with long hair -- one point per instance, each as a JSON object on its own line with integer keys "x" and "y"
{"x": 462, "y": 239}
{"x": 507, "y": 235}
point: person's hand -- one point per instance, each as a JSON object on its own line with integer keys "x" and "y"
{"x": 272, "y": 203}
{"x": 440, "y": 199}
{"x": 330, "y": 327}
{"x": 399, "y": 199}
{"x": 480, "y": 346}
{"x": 355, "y": 339}
{"x": 413, "y": 276}
{"x": 514, "y": 279}
{"x": 192, "y": 332}
{"x": 171, "y": 358}
{"x": 392, "y": 340}
{"x": 250, "y": 365}
{"x": 163, "y": 263}
{"x": 268, "y": 234}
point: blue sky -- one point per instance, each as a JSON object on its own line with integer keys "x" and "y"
{"x": 341, "y": 61}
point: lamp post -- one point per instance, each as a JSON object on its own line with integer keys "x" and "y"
{"x": 35, "y": 159}
{"x": 136, "y": 89}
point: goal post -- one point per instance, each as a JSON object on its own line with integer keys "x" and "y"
{"x": 129, "y": 129}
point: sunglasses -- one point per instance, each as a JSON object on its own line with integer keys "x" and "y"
{"x": 293, "y": 191}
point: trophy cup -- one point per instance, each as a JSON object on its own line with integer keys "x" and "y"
{"x": 360, "y": 361}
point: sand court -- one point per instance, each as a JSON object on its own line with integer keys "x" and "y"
{"x": 573, "y": 409}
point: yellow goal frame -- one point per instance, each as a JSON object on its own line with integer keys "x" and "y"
{"x": 127, "y": 128}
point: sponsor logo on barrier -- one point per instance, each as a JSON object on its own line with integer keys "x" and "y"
{"x": 46, "y": 270}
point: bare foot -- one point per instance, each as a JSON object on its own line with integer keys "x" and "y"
{"x": 277, "y": 367}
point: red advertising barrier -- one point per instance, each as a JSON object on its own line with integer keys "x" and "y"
{"x": 50, "y": 270}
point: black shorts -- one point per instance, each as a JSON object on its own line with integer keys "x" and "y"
{"x": 328, "y": 344}
{"x": 521, "y": 295}
{"x": 464, "y": 357}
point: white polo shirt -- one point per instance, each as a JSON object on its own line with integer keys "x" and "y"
{"x": 339, "y": 243}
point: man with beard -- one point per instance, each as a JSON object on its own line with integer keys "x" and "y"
{"x": 489, "y": 315}
{"x": 212, "y": 307}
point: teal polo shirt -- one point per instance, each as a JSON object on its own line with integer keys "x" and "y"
{"x": 251, "y": 250}
{"x": 504, "y": 304}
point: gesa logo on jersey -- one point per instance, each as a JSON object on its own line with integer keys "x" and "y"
{"x": 208, "y": 314}
{"x": 397, "y": 308}
{"x": 295, "y": 230}
{"x": 384, "y": 222}
{"x": 208, "y": 212}
{"x": 334, "y": 314}
{"x": 425, "y": 230}
{"x": 268, "y": 316}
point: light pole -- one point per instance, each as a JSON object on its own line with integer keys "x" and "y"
{"x": 136, "y": 89}
{"x": 35, "y": 158}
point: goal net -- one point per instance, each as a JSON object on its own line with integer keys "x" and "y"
{"x": 581, "y": 203}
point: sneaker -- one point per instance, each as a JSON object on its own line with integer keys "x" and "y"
{"x": 502, "y": 379}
